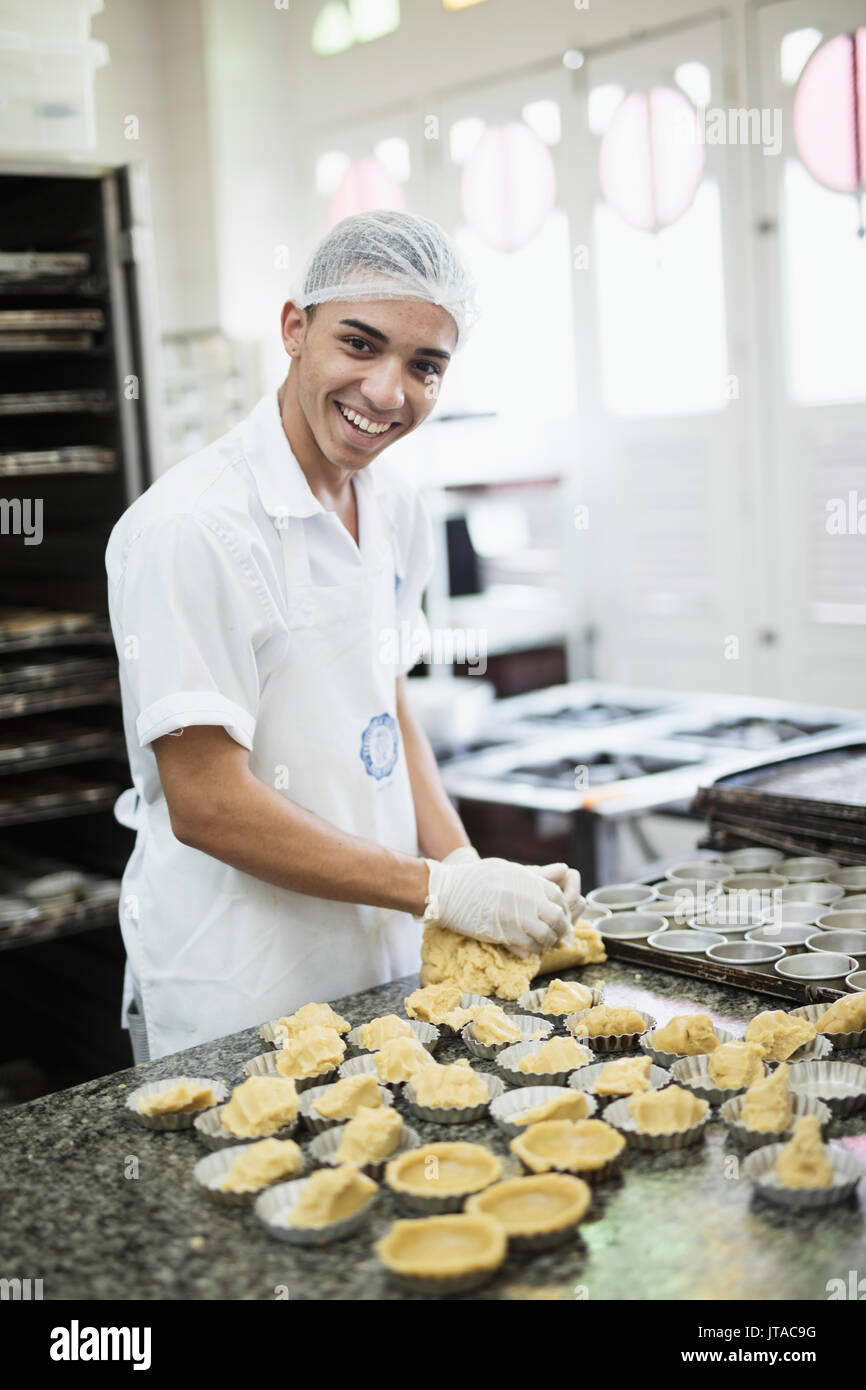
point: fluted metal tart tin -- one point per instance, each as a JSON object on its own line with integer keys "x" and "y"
{"x": 455, "y": 1115}
{"x": 511, "y": 1103}
{"x": 687, "y": 942}
{"x": 324, "y": 1148}
{"x": 364, "y": 1062}
{"x": 434, "y": 1204}
{"x": 209, "y": 1128}
{"x": 510, "y": 1056}
{"x": 816, "y": 965}
{"x": 759, "y": 1168}
{"x": 622, "y": 897}
{"x": 266, "y": 1065}
{"x": 584, "y": 1079}
{"x": 319, "y": 1123}
{"x": 528, "y": 1025}
{"x": 272, "y": 1038}
{"x": 277, "y": 1201}
{"x": 531, "y": 1004}
{"x": 631, "y": 926}
{"x": 444, "y": 1285}
{"x": 813, "y": 1051}
{"x": 609, "y": 1042}
{"x": 842, "y": 1041}
{"x": 840, "y": 1085}
{"x": 526, "y": 1242}
{"x": 667, "y": 1059}
{"x": 182, "y": 1120}
{"x": 209, "y": 1172}
{"x": 608, "y": 1170}
{"x": 693, "y": 1072}
{"x": 619, "y": 1116}
{"x": 426, "y": 1033}
{"x": 756, "y": 1138}
{"x": 466, "y": 1002}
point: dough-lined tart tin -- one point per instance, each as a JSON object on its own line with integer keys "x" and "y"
{"x": 446, "y": 1285}
{"x": 620, "y": 1117}
{"x": 510, "y": 1104}
{"x": 266, "y": 1065}
{"x": 427, "y": 1034}
{"x": 531, "y": 1004}
{"x": 843, "y": 1041}
{"x": 576, "y": 1197}
{"x": 732, "y": 1110}
{"x": 609, "y": 1042}
{"x": 467, "y": 1001}
{"x": 759, "y": 1168}
{"x": 180, "y": 1119}
{"x": 528, "y": 1025}
{"x": 667, "y": 1059}
{"x": 365, "y": 1062}
{"x": 209, "y": 1128}
{"x": 456, "y": 1114}
{"x": 323, "y": 1150}
{"x": 437, "y": 1204}
{"x": 209, "y": 1172}
{"x": 813, "y": 1051}
{"x": 509, "y": 1057}
{"x": 270, "y": 1035}
{"x": 584, "y": 1079}
{"x": 840, "y": 1085}
{"x": 273, "y": 1206}
{"x": 317, "y": 1123}
{"x": 693, "y": 1073}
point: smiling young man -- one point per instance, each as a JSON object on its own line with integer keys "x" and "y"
{"x": 293, "y": 825}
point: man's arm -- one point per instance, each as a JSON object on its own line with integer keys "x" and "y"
{"x": 440, "y": 829}
{"x": 217, "y": 805}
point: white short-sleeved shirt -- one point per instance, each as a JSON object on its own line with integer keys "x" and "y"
{"x": 198, "y": 604}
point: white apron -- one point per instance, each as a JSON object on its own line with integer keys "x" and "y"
{"x": 215, "y": 950}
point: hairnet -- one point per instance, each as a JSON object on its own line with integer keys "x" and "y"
{"x": 387, "y": 254}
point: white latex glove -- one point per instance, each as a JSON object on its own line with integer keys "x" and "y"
{"x": 568, "y": 880}
{"x": 497, "y": 901}
{"x": 466, "y": 854}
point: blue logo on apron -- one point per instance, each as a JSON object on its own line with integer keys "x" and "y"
{"x": 380, "y": 746}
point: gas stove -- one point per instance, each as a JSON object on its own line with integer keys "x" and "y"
{"x": 588, "y": 716}
{"x": 754, "y": 732}
{"x": 593, "y": 769}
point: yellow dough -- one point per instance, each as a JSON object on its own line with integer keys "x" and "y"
{"x": 378, "y": 1031}
{"x": 583, "y": 945}
{"x": 401, "y": 1058}
{"x": 668, "y": 1111}
{"x": 432, "y": 1003}
{"x": 582, "y": 1146}
{"x": 804, "y": 1162}
{"x": 444, "y": 1170}
{"x": 332, "y": 1194}
{"x": 458, "y": 1018}
{"x": 260, "y": 1105}
{"x": 535, "y": 1205}
{"x": 559, "y": 1054}
{"x": 183, "y": 1098}
{"x": 448, "y": 1087}
{"x": 492, "y": 1025}
{"x": 609, "y": 1020}
{"x": 736, "y": 1064}
{"x": 691, "y": 1035}
{"x": 345, "y": 1098}
{"x": 263, "y": 1164}
{"x": 566, "y": 1107}
{"x": 847, "y": 1015}
{"x": 565, "y": 997}
{"x": 372, "y": 1135}
{"x": 311, "y": 1016}
{"x": 444, "y": 1247}
{"x": 779, "y": 1034}
{"x": 767, "y": 1104}
{"x": 476, "y": 966}
{"x": 627, "y": 1077}
{"x": 311, "y": 1052}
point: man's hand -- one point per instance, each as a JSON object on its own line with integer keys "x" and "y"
{"x": 496, "y": 901}
{"x": 564, "y": 877}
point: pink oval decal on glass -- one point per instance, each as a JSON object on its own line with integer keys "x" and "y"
{"x": 508, "y": 186}
{"x": 365, "y": 185}
{"x": 652, "y": 158}
{"x": 830, "y": 113}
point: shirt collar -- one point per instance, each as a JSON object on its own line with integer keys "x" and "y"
{"x": 280, "y": 479}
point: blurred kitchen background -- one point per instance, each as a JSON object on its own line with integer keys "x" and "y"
{"x": 646, "y": 471}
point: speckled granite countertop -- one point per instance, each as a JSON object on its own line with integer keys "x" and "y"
{"x": 100, "y": 1208}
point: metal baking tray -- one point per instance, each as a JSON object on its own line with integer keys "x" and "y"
{"x": 46, "y": 320}
{"x": 43, "y": 798}
{"x": 25, "y": 628}
{"x": 73, "y": 459}
{"x": 91, "y": 402}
